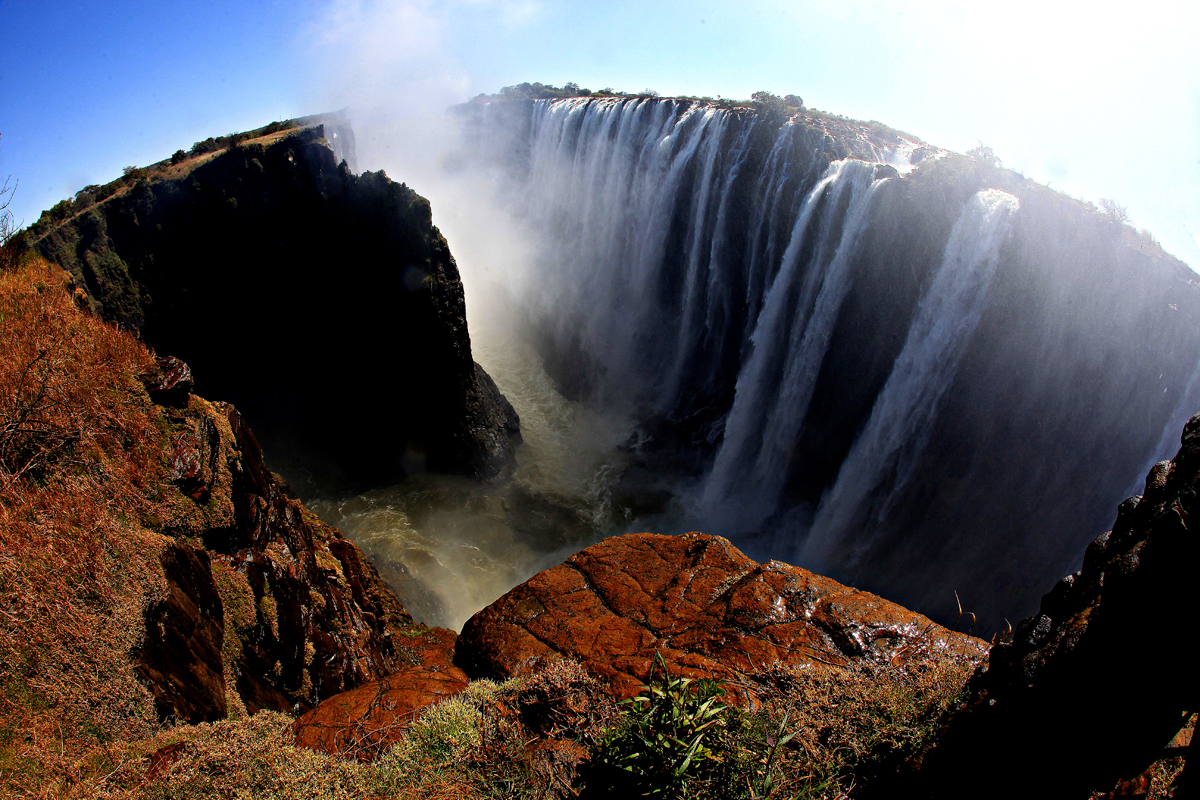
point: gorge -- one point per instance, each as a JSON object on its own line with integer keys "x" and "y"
{"x": 832, "y": 343}
{"x": 912, "y": 370}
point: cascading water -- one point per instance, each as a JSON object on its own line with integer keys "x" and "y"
{"x": 1168, "y": 443}
{"x": 883, "y": 458}
{"x": 791, "y": 336}
{"x": 918, "y": 377}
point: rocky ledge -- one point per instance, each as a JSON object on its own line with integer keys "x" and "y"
{"x": 697, "y": 600}
{"x": 710, "y": 611}
{"x": 265, "y": 606}
{"x": 1094, "y": 687}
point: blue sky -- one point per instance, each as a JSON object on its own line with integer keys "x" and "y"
{"x": 1102, "y": 104}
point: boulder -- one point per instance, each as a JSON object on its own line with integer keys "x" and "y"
{"x": 711, "y": 611}
{"x": 171, "y": 383}
{"x": 365, "y": 721}
{"x": 1092, "y": 689}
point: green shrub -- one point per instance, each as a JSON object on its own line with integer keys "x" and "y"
{"x": 816, "y": 731}
{"x": 664, "y": 740}
{"x": 205, "y": 146}
{"x": 984, "y": 155}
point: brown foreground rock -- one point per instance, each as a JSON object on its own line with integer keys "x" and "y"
{"x": 365, "y": 721}
{"x": 711, "y": 611}
{"x": 1092, "y": 689}
{"x": 707, "y": 608}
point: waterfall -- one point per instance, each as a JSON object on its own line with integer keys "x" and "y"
{"x": 606, "y": 177}
{"x": 914, "y": 377}
{"x": 789, "y": 342}
{"x": 1168, "y": 442}
{"x": 880, "y": 463}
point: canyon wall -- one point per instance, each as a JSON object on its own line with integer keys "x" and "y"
{"x": 908, "y": 369}
{"x": 324, "y": 304}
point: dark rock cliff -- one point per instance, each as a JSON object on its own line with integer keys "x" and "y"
{"x": 324, "y": 304}
{"x": 265, "y": 606}
{"x": 1092, "y": 688}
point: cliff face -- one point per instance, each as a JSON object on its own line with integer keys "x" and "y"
{"x": 325, "y": 305}
{"x": 1092, "y": 688}
{"x": 153, "y": 568}
{"x": 908, "y": 369}
{"x": 266, "y": 607}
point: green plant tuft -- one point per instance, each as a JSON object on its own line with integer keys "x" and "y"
{"x": 664, "y": 740}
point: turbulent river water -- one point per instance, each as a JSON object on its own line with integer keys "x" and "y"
{"x": 450, "y": 546}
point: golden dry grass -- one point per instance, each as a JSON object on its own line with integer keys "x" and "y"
{"x": 80, "y": 462}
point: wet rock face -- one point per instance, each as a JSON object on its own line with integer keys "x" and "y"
{"x": 1093, "y": 687}
{"x": 342, "y": 330}
{"x": 324, "y": 622}
{"x": 711, "y": 611}
{"x": 180, "y": 657}
{"x": 193, "y": 459}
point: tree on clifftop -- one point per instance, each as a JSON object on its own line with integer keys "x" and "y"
{"x": 12, "y": 238}
{"x": 1115, "y": 212}
{"x": 8, "y": 226}
{"x": 984, "y": 155}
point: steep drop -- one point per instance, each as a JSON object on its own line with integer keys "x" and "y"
{"x": 907, "y": 368}
{"x": 325, "y": 304}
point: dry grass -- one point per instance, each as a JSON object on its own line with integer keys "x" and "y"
{"x": 528, "y": 738}
{"x": 858, "y": 723}
{"x": 254, "y": 758}
{"x": 80, "y": 463}
{"x": 488, "y": 742}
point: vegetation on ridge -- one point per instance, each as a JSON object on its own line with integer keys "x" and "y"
{"x": 131, "y": 177}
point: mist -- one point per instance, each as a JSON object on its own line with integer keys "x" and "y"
{"x": 677, "y": 366}
{"x": 450, "y": 546}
